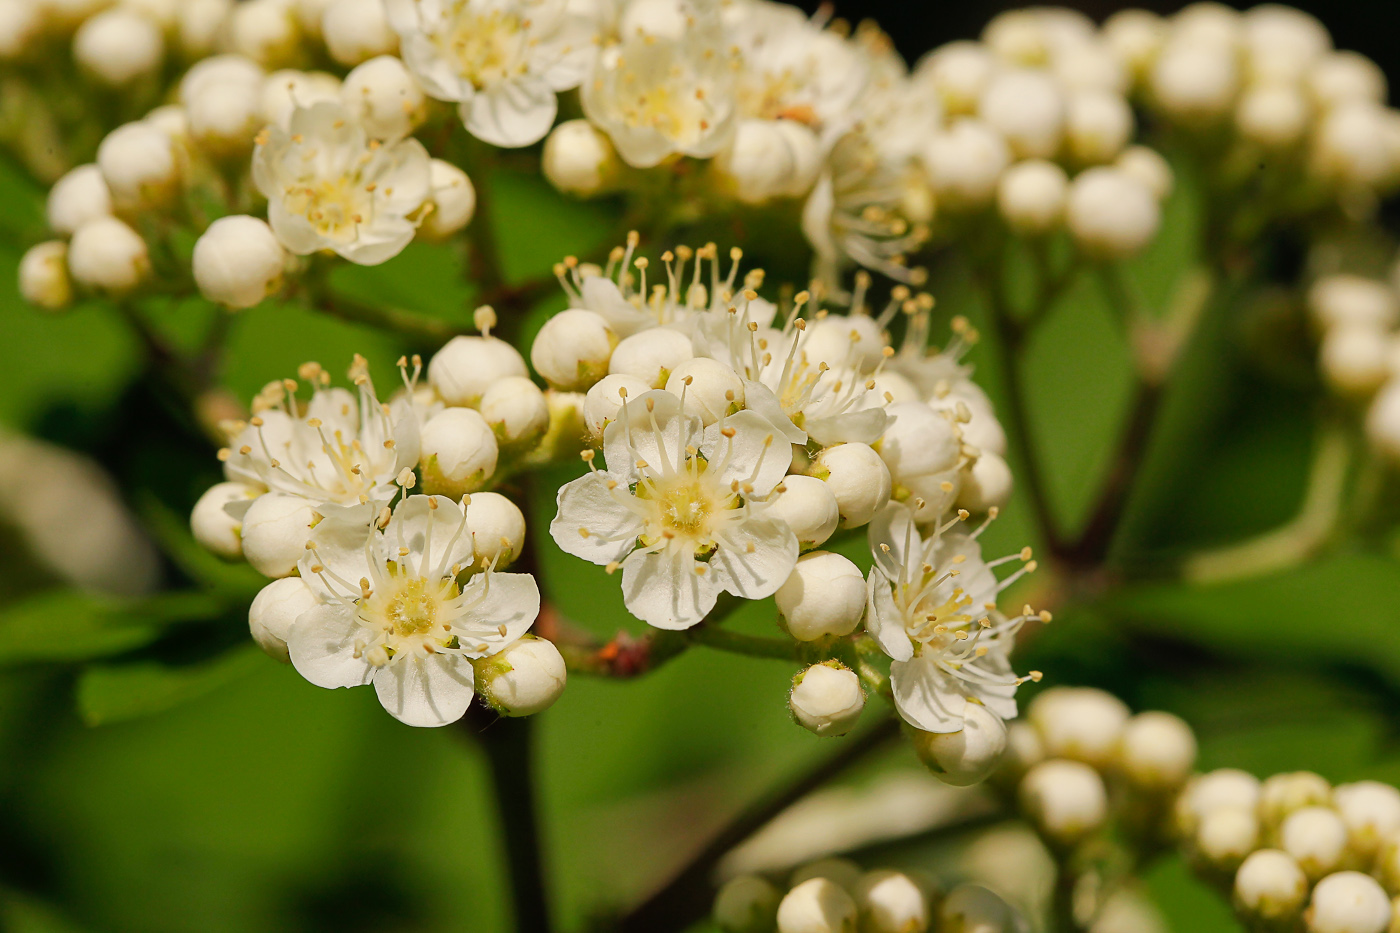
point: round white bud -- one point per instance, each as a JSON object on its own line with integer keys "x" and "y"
{"x": 958, "y": 73}
{"x": 43, "y": 276}
{"x": 1341, "y": 300}
{"x": 890, "y": 902}
{"x": 286, "y": 90}
{"x": 1019, "y": 37}
{"x": 1355, "y": 359}
{"x": 1272, "y": 115}
{"x": 579, "y": 159}
{"x": 225, "y": 118}
{"x": 1316, "y": 838}
{"x": 77, "y": 197}
{"x": 1209, "y": 22}
{"x": 843, "y": 340}
{"x": 807, "y": 505}
{"x": 357, "y": 30}
{"x": 139, "y": 165}
{"x": 219, "y": 70}
{"x": 466, "y": 367}
{"x": 964, "y": 164}
{"x": 217, "y": 518}
{"x": 522, "y": 679}
{"x": 1225, "y": 788}
{"x": 1066, "y": 799}
{"x": 118, "y": 46}
{"x": 984, "y": 431}
{"x": 516, "y": 410}
{"x": 1031, "y": 196}
{"x": 385, "y": 97}
{"x": 858, "y": 478}
{"x": 708, "y": 388}
{"x": 817, "y": 906}
{"x": 273, "y": 612}
{"x": 1157, "y": 751}
{"x": 665, "y": 18}
{"x": 1224, "y": 836}
{"x": 974, "y": 909}
{"x": 1386, "y": 867}
{"x": 1340, "y": 77}
{"x": 1270, "y": 887}
{"x": 827, "y": 699}
{"x": 171, "y": 120}
{"x": 1348, "y": 902}
{"x": 932, "y": 496}
{"x": 824, "y": 596}
{"x": 1090, "y": 66}
{"x": 604, "y": 400}
{"x": 1281, "y": 42}
{"x": 837, "y": 870}
{"x": 986, "y": 485}
{"x": 918, "y": 441}
{"x": 1098, "y": 124}
{"x": 968, "y": 756}
{"x": 572, "y": 349}
{"x": 1195, "y": 82}
{"x": 276, "y": 528}
{"x": 1024, "y": 750}
{"x": 1134, "y": 36}
{"x": 1148, "y": 167}
{"x": 747, "y": 904}
{"x": 1128, "y": 911}
{"x": 1371, "y": 812}
{"x": 198, "y": 24}
{"x": 107, "y": 255}
{"x": 497, "y": 527}
{"x": 459, "y": 452}
{"x": 650, "y": 355}
{"x": 1282, "y": 794}
{"x": 266, "y": 31}
{"x": 1383, "y": 420}
{"x": 238, "y": 261}
{"x": 1079, "y": 722}
{"x": 1111, "y": 214}
{"x": 894, "y": 387}
{"x": 21, "y": 21}
{"x": 769, "y": 159}
{"x": 452, "y": 200}
{"x": 309, "y": 14}
{"x": 1352, "y": 144}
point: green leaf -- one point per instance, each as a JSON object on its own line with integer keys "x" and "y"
{"x": 20, "y": 913}
{"x": 172, "y": 532}
{"x": 119, "y": 692}
{"x": 70, "y": 625}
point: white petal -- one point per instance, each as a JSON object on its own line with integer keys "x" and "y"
{"x": 322, "y": 646}
{"x": 514, "y": 113}
{"x": 602, "y": 296}
{"x": 653, "y": 429}
{"x": 431, "y": 691}
{"x": 760, "y": 399}
{"x": 756, "y": 454}
{"x": 511, "y": 600}
{"x": 863, "y": 427}
{"x": 340, "y": 540}
{"x": 377, "y": 244}
{"x": 927, "y": 698}
{"x": 884, "y": 621}
{"x": 662, "y": 588}
{"x": 587, "y": 503}
{"x": 435, "y": 537}
{"x": 756, "y": 573}
{"x": 975, "y": 578}
{"x": 893, "y": 527}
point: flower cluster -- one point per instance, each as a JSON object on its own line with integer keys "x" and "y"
{"x": 835, "y": 896}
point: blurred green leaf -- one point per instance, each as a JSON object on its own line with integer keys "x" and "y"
{"x": 118, "y": 692}
{"x": 20, "y": 913}
{"x": 172, "y": 532}
{"x": 70, "y": 625}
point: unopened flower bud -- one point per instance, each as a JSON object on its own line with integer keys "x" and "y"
{"x": 858, "y": 478}
{"x": 1273, "y": 115}
{"x": 273, "y": 612}
{"x": 605, "y": 399}
{"x": 1195, "y": 82}
{"x": 1224, "y": 836}
{"x": 572, "y": 349}
{"x": 808, "y": 506}
{"x": 276, "y": 528}
{"x": 827, "y": 698}
{"x": 466, "y": 367}
{"x": 43, "y": 276}
{"x": 968, "y": 756}
{"x": 1223, "y": 788}
{"x": 1352, "y": 145}
{"x": 837, "y": 870}
{"x": 1348, "y": 902}
{"x": 769, "y": 159}
{"x": 747, "y": 904}
{"x": 1098, "y": 124}
{"x": 1079, "y": 722}
{"x": 217, "y": 518}
{"x": 198, "y": 24}
{"x": 890, "y": 902}
{"x": 708, "y": 388}
{"x": 223, "y": 97}
{"x": 579, "y": 159}
{"x": 1111, "y": 214}
{"x": 1351, "y": 300}
{"x": 139, "y": 165}
{"x": 77, "y": 197}
{"x": 1156, "y": 751}
{"x": 964, "y": 164}
{"x": 238, "y": 261}
{"x": 1066, "y": 799}
{"x": 524, "y": 678}
{"x": 971, "y": 908}
{"x": 1316, "y": 838}
{"x": 1024, "y": 750}
{"x": 1371, "y": 812}
{"x": 817, "y": 906}
{"x": 845, "y": 340}
{"x": 107, "y": 255}
{"x": 1355, "y": 360}
{"x": 933, "y": 496}
{"x": 21, "y": 21}
{"x": 1282, "y": 794}
{"x": 1383, "y": 421}
{"x": 497, "y": 527}
{"x": 1126, "y": 910}
{"x": 1270, "y": 888}
{"x": 958, "y": 73}
{"x": 1031, "y": 196}
{"x": 453, "y": 200}
{"x": 516, "y": 410}
{"x": 357, "y": 30}
{"x": 986, "y": 485}
{"x": 1341, "y": 77}
{"x": 1027, "y": 108}
{"x": 265, "y": 31}
{"x": 1134, "y": 36}
{"x": 385, "y": 96}
{"x": 118, "y": 46}
{"x": 824, "y": 596}
{"x": 1150, "y": 169}
{"x": 651, "y": 355}
{"x": 459, "y": 452}
{"x": 286, "y": 90}
{"x": 918, "y": 441}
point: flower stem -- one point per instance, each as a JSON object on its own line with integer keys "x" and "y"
{"x": 722, "y": 639}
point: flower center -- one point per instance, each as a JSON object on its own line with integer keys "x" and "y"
{"x": 487, "y": 46}
{"x": 405, "y": 608}
{"x": 332, "y": 205}
{"x": 686, "y": 505}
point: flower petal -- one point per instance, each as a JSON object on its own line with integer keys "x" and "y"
{"x": 587, "y": 503}
{"x": 435, "y": 536}
{"x": 664, "y": 589}
{"x": 501, "y": 608}
{"x": 756, "y": 453}
{"x": 760, "y": 399}
{"x": 517, "y": 112}
{"x": 893, "y": 528}
{"x": 653, "y": 429}
{"x": 927, "y": 698}
{"x": 884, "y": 621}
{"x": 602, "y": 296}
{"x": 755, "y": 557}
{"x": 863, "y": 427}
{"x": 431, "y": 691}
{"x": 322, "y": 646}
{"x": 339, "y": 540}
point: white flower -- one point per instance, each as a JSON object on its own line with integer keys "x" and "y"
{"x": 43, "y": 276}
{"x": 238, "y": 261}
{"x": 794, "y": 69}
{"x": 502, "y": 61}
{"x": 329, "y": 186}
{"x": 932, "y": 609}
{"x": 681, "y": 510}
{"x": 393, "y": 613}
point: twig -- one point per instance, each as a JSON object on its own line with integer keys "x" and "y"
{"x": 408, "y": 324}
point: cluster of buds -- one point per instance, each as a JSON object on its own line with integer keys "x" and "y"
{"x": 835, "y": 896}
{"x": 1356, "y": 319}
